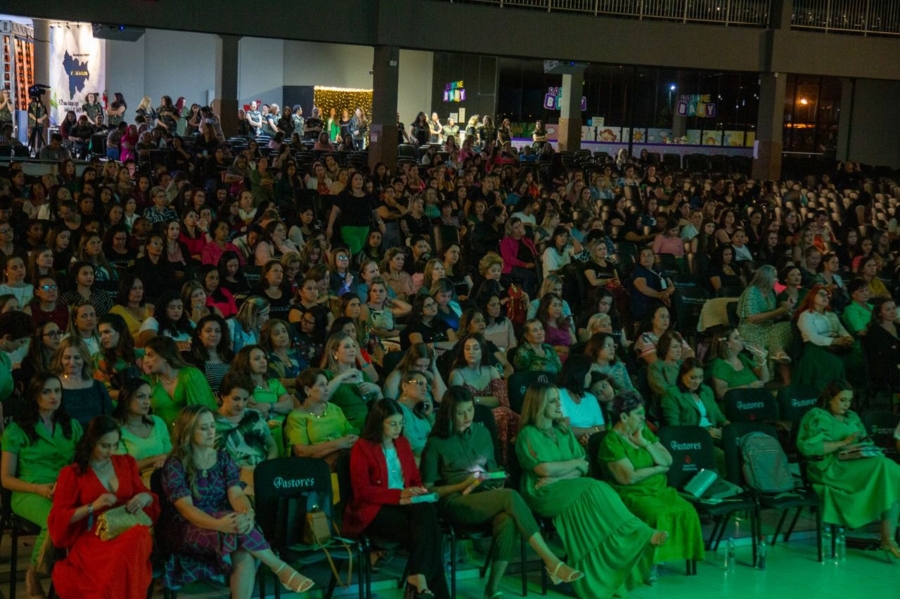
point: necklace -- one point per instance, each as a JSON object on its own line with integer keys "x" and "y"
{"x": 204, "y": 470}
{"x": 103, "y": 468}
{"x": 322, "y": 415}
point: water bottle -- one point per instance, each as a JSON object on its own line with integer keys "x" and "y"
{"x": 840, "y": 546}
{"x": 729, "y": 557}
{"x": 761, "y": 551}
{"x": 826, "y": 542}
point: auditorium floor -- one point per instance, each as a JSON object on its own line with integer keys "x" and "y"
{"x": 792, "y": 572}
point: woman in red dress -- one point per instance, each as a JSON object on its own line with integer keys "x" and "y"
{"x": 97, "y": 481}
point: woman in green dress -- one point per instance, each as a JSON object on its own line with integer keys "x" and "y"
{"x": 144, "y": 436}
{"x": 318, "y": 428}
{"x": 856, "y": 318}
{"x": 731, "y": 368}
{"x": 663, "y": 372}
{"x": 635, "y": 464}
{"x": 601, "y": 537}
{"x": 853, "y": 492}
{"x": 351, "y": 380}
{"x": 762, "y": 317}
{"x": 457, "y": 455}
{"x": 173, "y": 384}
{"x": 35, "y": 448}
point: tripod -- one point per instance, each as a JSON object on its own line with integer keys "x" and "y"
{"x": 36, "y": 139}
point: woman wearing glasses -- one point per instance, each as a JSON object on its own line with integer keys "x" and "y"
{"x": 826, "y": 343}
{"x": 46, "y": 304}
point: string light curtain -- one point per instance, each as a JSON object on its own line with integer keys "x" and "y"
{"x": 342, "y": 98}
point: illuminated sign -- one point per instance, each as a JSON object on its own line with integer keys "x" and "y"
{"x": 553, "y": 97}
{"x": 455, "y": 92}
{"x": 696, "y": 105}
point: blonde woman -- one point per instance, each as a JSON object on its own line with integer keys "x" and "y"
{"x": 211, "y": 512}
{"x": 587, "y": 512}
{"x": 83, "y": 396}
{"x": 244, "y": 327}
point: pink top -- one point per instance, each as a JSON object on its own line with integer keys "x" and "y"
{"x": 668, "y": 245}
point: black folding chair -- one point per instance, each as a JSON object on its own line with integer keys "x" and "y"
{"x": 750, "y": 405}
{"x": 803, "y": 496}
{"x": 285, "y": 490}
{"x": 691, "y": 448}
{"x": 519, "y": 383}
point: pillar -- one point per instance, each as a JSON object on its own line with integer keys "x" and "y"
{"x": 569, "y": 135}
{"x": 227, "y": 69}
{"x": 41, "y": 67}
{"x": 679, "y": 123}
{"x": 769, "y": 126}
{"x": 383, "y": 135}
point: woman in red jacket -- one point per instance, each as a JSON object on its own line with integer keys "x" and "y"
{"x": 385, "y": 482}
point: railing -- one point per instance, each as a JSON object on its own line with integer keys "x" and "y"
{"x": 752, "y": 13}
{"x": 859, "y": 17}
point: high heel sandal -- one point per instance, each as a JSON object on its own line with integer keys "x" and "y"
{"x": 302, "y": 585}
{"x": 556, "y": 579}
{"x": 891, "y": 550}
{"x": 412, "y": 592}
{"x": 659, "y": 538}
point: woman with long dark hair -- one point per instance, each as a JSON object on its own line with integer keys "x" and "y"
{"x": 96, "y": 482}
{"x": 117, "y": 356}
{"x": 211, "y": 349}
{"x": 36, "y": 447}
{"x": 382, "y": 505}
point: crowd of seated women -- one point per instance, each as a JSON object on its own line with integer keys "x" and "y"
{"x": 203, "y": 320}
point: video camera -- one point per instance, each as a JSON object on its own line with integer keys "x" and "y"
{"x": 37, "y": 90}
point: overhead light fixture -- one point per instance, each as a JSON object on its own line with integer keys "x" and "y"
{"x": 804, "y": 101}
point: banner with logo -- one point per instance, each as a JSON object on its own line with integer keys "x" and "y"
{"x": 77, "y": 68}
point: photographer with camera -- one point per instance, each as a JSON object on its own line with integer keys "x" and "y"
{"x": 37, "y": 118}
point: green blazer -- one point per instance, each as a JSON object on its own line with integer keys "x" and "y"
{"x": 680, "y": 409}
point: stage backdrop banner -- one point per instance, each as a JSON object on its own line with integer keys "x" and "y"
{"x": 77, "y": 68}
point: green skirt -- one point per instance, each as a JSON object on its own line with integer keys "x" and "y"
{"x": 354, "y": 237}
{"x": 604, "y": 540}
{"x": 818, "y": 367}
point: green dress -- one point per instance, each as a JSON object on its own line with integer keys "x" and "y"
{"x": 350, "y": 400}
{"x": 302, "y": 428}
{"x": 39, "y": 463}
{"x": 191, "y": 388}
{"x": 275, "y": 421}
{"x": 157, "y": 443}
{"x": 856, "y": 318}
{"x": 773, "y": 336}
{"x": 854, "y": 492}
{"x": 601, "y": 537}
{"x": 653, "y": 501}
{"x": 722, "y": 370}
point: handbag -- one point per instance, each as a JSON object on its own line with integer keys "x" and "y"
{"x": 317, "y": 533}
{"x": 112, "y": 523}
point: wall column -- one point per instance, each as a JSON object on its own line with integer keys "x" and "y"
{"x": 769, "y": 126}
{"x": 383, "y": 135}
{"x": 227, "y": 72}
{"x": 569, "y": 135}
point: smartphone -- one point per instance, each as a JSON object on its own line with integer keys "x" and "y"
{"x": 427, "y": 498}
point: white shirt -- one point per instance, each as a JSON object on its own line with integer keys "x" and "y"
{"x": 820, "y": 329}
{"x": 586, "y": 414}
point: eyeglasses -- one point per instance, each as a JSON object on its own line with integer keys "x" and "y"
{"x": 422, "y": 384}
{"x": 342, "y": 258}
{"x": 48, "y": 287}
{"x": 53, "y": 334}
